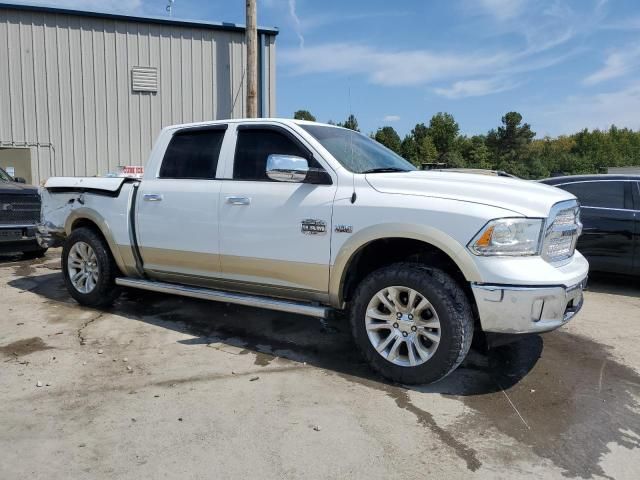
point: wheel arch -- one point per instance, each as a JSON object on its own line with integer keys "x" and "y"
{"x": 404, "y": 235}
{"x": 88, "y": 217}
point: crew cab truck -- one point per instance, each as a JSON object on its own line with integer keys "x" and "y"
{"x": 309, "y": 218}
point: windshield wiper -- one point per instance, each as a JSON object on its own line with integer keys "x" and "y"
{"x": 385, "y": 170}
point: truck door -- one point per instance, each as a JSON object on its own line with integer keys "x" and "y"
{"x": 274, "y": 236}
{"x": 177, "y": 210}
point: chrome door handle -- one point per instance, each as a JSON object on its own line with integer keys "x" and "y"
{"x": 233, "y": 200}
{"x": 152, "y": 197}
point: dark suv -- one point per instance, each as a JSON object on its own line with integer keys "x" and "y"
{"x": 19, "y": 214}
{"x": 611, "y": 217}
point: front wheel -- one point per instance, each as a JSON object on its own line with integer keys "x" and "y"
{"x": 89, "y": 268}
{"x": 412, "y": 323}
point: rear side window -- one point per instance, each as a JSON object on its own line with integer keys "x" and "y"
{"x": 192, "y": 154}
{"x": 598, "y": 194}
{"x": 254, "y": 146}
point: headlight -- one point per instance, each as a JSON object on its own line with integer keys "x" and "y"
{"x": 508, "y": 236}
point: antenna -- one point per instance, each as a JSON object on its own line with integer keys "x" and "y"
{"x": 353, "y": 175}
{"x": 170, "y": 7}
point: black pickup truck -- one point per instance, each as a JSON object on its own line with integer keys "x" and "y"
{"x": 19, "y": 214}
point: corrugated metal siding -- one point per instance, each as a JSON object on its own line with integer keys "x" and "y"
{"x": 66, "y": 86}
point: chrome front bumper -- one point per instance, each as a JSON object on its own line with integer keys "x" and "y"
{"x": 513, "y": 309}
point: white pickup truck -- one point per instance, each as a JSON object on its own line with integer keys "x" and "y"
{"x": 310, "y": 218}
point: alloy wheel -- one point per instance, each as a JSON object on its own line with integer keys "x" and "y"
{"x": 82, "y": 266}
{"x": 403, "y": 326}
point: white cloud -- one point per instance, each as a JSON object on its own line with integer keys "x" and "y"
{"x": 502, "y": 9}
{"x": 601, "y": 110}
{"x": 297, "y": 25}
{"x": 392, "y": 67}
{"x": 617, "y": 64}
{"x": 475, "y": 88}
{"x": 391, "y": 118}
{"x": 473, "y": 73}
{"x": 632, "y": 23}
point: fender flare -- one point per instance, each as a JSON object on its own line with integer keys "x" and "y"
{"x": 85, "y": 213}
{"x": 457, "y": 252}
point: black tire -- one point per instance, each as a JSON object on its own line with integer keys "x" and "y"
{"x": 39, "y": 253}
{"x": 105, "y": 290}
{"x": 448, "y": 300}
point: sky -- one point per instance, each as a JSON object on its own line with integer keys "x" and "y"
{"x": 564, "y": 65}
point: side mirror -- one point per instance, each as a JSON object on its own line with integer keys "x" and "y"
{"x": 287, "y": 168}
{"x": 19, "y": 180}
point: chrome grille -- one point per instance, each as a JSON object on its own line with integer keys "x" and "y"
{"x": 562, "y": 230}
{"x": 19, "y": 209}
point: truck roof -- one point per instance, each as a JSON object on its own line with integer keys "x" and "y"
{"x": 249, "y": 120}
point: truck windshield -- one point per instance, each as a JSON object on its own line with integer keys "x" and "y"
{"x": 4, "y": 176}
{"x": 356, "y": 152}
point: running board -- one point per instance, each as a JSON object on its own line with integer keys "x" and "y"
{"x": 220, "y": 296}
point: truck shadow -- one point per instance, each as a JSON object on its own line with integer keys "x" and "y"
{"x": 326, "y": 344}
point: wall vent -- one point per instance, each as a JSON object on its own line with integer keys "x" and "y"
{"x": 144, "y": 79}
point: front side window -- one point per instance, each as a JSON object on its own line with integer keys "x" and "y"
{"x": 356, "y": 152}
{"x": 193, "y": 154}
{"x": 598, "y": 194}
{"x": 254, "y": 145}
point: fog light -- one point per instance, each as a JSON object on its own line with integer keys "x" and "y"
{"x": 536, "y": 309}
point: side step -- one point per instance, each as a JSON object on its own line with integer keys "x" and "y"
{"x": 220, "y": 296}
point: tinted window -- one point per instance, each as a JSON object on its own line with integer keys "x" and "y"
{"x": 253, "y": 148}
{"x": 192, "y": 154}
{"x": 598, "y": 194}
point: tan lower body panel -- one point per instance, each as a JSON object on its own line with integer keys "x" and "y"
{"x": 178, "y": 261}
{"x": 307, "y": 276}
{"x": 297, "y": 280}
{"x": 241, "y": 287}
{"x": 128, "y": 260}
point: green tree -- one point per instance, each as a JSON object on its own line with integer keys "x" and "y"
{"x": 351, "y": 123}
{"x": 475, "y": 152}
{"x": 409, "y": 150}
{"x": 443, "y": 130}
{"x": 511, "y": 138}
{"x": 304, "y": 115}
{"x": 388, "y": 137}
{"x": 419, "y": 132}
{"x": 427, "y": 151}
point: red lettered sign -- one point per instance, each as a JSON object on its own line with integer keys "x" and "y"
{"x": 135, "y": 171}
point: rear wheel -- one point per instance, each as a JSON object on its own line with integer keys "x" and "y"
{"x": 89, "y": 268}
{"x": 411, "y": 322}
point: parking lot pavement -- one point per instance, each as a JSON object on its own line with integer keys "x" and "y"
{"x": 161, "y": 386}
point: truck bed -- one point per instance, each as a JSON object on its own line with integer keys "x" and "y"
{"x": 105, "y": 201}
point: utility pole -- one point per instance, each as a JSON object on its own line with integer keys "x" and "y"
{"x": 252, "y": 60}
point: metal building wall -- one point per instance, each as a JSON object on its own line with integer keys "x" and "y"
{"x": 65, "y": 86}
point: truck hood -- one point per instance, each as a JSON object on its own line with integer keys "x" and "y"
{"x": 523, "y": 197}
{"x": 16, "y": 188}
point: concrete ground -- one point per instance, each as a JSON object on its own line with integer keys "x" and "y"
{"x": 166, "y": 387}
